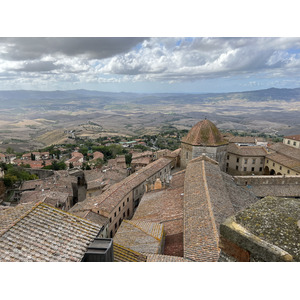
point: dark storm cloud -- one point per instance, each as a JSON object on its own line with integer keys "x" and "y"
{"x": 89, "y": 47}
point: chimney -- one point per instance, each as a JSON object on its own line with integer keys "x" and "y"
{"x": 100, "y": 250}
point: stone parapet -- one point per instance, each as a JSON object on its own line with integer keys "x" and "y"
{"x": 239, "y": 243}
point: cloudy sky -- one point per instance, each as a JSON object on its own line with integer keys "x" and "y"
{"x": 149, "y": 64}
{"x": 105, "y": 59}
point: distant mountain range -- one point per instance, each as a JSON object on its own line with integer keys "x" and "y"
{"x": 272, "y": 94}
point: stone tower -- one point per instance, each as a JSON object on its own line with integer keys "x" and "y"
{"x": 204, "y": 139}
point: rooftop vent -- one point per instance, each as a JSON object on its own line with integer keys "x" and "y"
{"x": 100, "y": 250}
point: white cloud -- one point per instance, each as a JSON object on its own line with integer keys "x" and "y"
{"x": 99, "y": 60}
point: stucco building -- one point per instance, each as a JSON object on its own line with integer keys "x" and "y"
{"x": 292, "y": 140}
{"x": 245, "y": 160}
{"x": 282, "y": 160}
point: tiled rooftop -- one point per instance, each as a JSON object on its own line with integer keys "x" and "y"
{"x": 166, "y": 207}
{"x": 206, "y": 204}
{"x": 165, "y": 258}
{"x": 123, "y": 254}
{"x": 286, "y": 161}
{"x": 286, "y": 150}
{"x": 246, "y": 150}
{"x": 140, "y": 236}
{"x": 108, "y": 200}
{"x": 204, "y": 133}
{"x": 49, "y": 197}
{"x": 89, "y": 215}
{"x": 242, "y": 139}
{"x": 40, "y": 232}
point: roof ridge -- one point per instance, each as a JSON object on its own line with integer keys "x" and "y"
{"x": 20, "y": 218}
{"x": 133, "y": 223}
{"x": 127, "y": 181}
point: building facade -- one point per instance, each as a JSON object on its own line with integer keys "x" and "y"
{"x": 245, "y": 160}
{"x": 292, "y": 140}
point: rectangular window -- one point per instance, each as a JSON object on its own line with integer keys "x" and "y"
{"x": 116, "y": 225}
{"x": 253, "y": 161}
{"x": 245, "y": 169}
{"x": 288, "y": 171}
{"x": 294, "y": 143}
{"x": 260, "y": 169}
{"x": 289, "y": 141}
{"x": 246, "y": 160}
{"x": 119, "y": 208}
{"x": 237, "y": 160}
{"x": 252, "y": 169}
{"x": 227, "y": 156}
{"x": 280, "y": 168}
{"x": 124, "y": 214}
{"x": 227, "y": 165}
{"x": 115, "y": 214}
{"x": 237, "y": 167}
{"x": 109, "y": 220}
{"x": 123, "y": 204}
{"x": 261, "y": 161}
{"x": 187, "y": 155}
{"x": 127, "y": 199}
{"x": 273, "y": 164}
{"x": 267, "y": 161}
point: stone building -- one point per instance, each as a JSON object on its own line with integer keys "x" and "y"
{"x": 204, "y": 138}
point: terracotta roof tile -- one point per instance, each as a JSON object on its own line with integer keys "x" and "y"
{"x": 140, "y": 236}
{"x": 246, "y": 150}
{"x": 286, "y": 161}
{"x": 107, "y": 201}
{"x": 123, "y": 254}
{"x": 204, "y": 133}
{"x": 41, "y": 232}
{"x": 286, "y": 150}
{"x": 164, "y": 258}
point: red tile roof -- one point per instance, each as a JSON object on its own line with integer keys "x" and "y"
{"x": 107, "y": 202}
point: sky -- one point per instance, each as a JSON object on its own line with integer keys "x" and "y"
{"x": 106, "y": 57}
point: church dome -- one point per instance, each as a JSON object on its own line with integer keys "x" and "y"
{"x": 204, "y": 133}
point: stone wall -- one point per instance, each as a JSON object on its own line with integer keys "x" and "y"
{"x": 267, "y": 180}
{"x": 41, "y": 173}
{"x": 186, "y": 154}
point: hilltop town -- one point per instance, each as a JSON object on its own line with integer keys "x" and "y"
{"x": 203, "y": 196}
